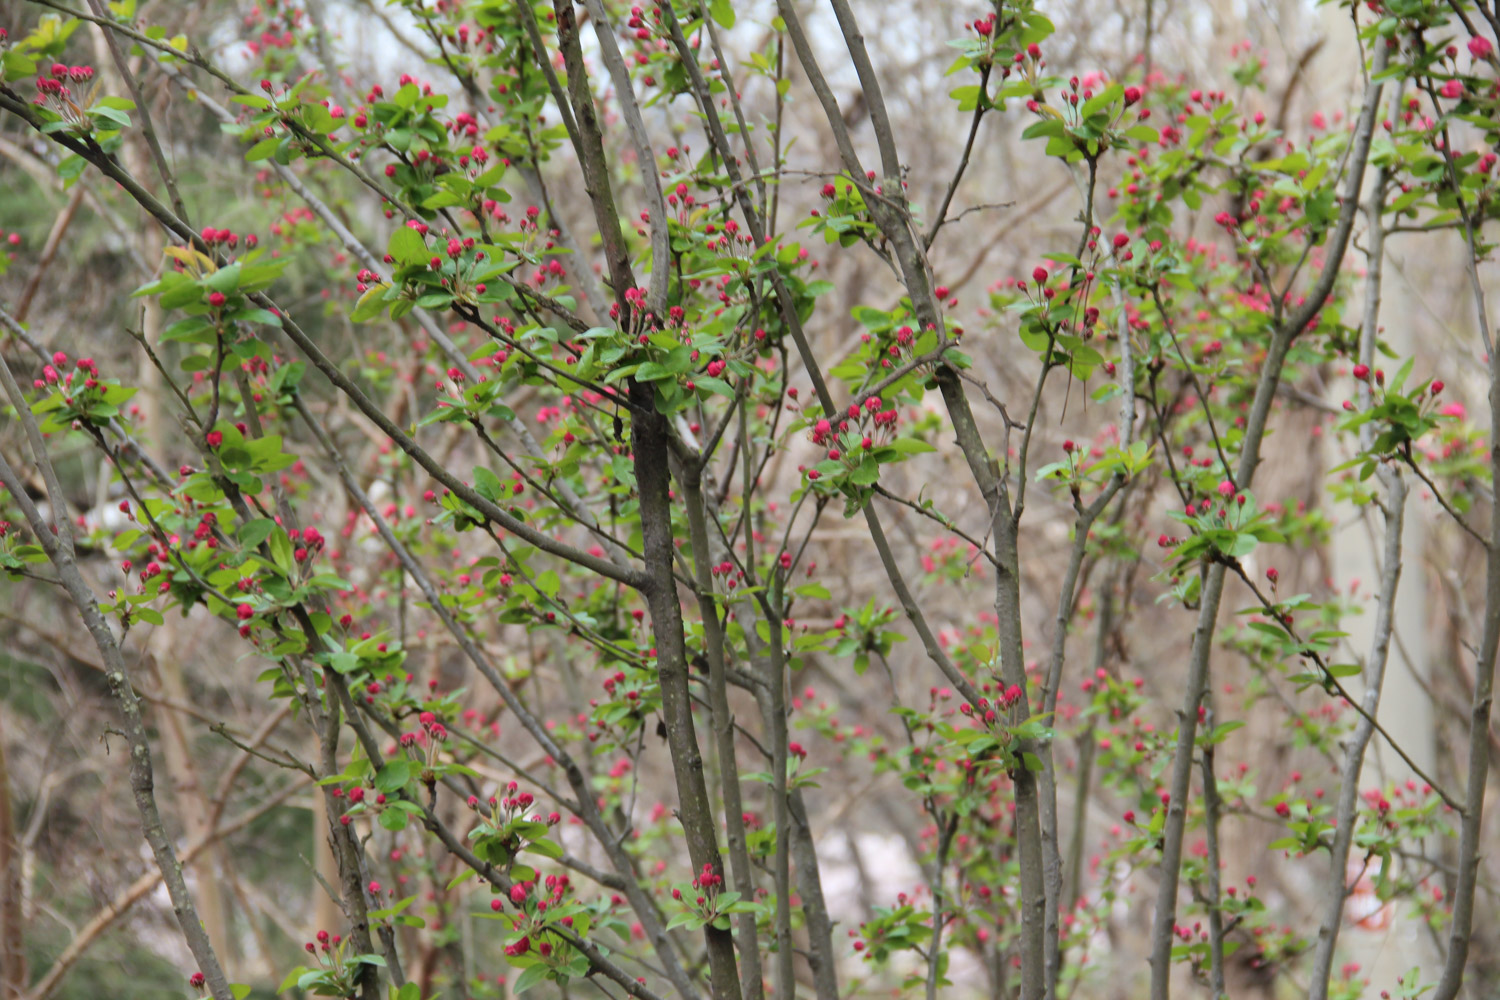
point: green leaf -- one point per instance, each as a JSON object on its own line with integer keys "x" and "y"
{"x": 487, "y": 484}
{"x": 262, "y": 150}
{"x": 292, "y": 978}
{"x": 117, "y": 118}
{"x": 1048, "y": 127}
{"x": 435, "y": 300}
{"x": 533, "y": 975}
{"x": 252, "y": 533}
{"x": 225, "y": 279}
{"x": 239, "y": 990}
{"x": 371, "y": 304}
{"x": 1221, "y": 732}
{"x": 1096, "y": 104}
{"x": 867, "y": 473}
{"x": 282, "y": 553}
{"x": 407, "y": 96}
{"x": 262, "y": 316}
{"x": 545, "y": 848}
{"x": 707, "y": 383}
{"x": 188, "y": 330}
{"x": 687, "y": 918}
{"x": 407, "y": 248}
{"x": 723, "y": 12}
{"x": 393, "y": 776}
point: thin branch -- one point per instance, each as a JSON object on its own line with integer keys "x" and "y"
{"x": 1287, "y": 330}
{"x": 982, "y": 105}
{"x": 141, "y": 775}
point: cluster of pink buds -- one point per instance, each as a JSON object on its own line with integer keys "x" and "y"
{"x": 426, "y": 160}
{"x": 635, "y": 298}
{"x": 53, "y": 93}
{"x": 53, "y": 375}
{"x": 707, "y": 880}
{"x": 48, "y": 87}
{"x": 216, "y": 237}
{"x": 680, "y": 197}
{"x": 904, "y": 336}
{"x": 1380, "y": 805}
{"x": 728, "y": 237}
{"x": 552, "y": 270}
{"x": 727, "y": 570}
{"x": 1072, "y": 96}
{"x": 521, "y": 893}
{"x": 643, "y": 28}
{"x": 197, "y": 980}
{"x": 556, "y": 886}
{"x": 311, "y": 539}
{"x": 513, "y": 801}
{"x": 435, "y": 730}
{"x": 986, "y": 711}
{"x": 1039, "y": 275}
{"x": 60, "y": 73}
{"x": 857, "y": 415}
{"x": 203, "y": 532}
{"x": 325, "y": 943}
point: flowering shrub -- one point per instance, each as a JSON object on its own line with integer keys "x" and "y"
{"x": 623, "y": 560}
